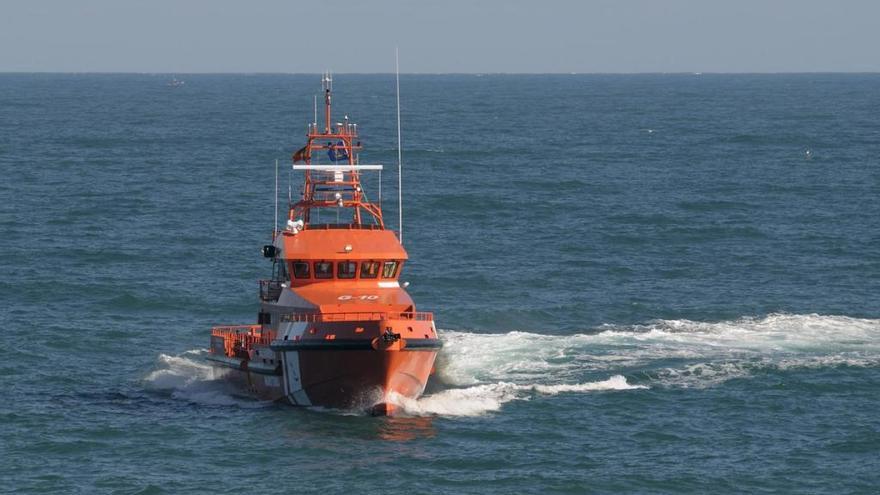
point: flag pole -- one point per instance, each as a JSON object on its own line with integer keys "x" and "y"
{"x": 399, "y": 151}
{"x": 275, "y": 228}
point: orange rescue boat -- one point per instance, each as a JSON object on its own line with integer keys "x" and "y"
{"x": 335, "y": 328}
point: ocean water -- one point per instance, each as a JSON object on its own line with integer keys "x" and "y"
{"x": 645, "y": 283}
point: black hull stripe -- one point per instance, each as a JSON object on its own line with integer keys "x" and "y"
{"x": 242, "y": 365}
{"x": 426, "y": 344}
{"x": 350, "y": 345}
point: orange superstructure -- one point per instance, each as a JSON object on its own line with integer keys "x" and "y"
{"x": 335, "y": 328}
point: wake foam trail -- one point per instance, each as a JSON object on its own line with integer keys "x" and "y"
{"x": 481, "y": 399}
{"x": 484, "y": 371}
{"x": 706, "y": 354}
{"x": 187, "y": 377}
{"x": 481, "y": 372}
{"x": 616, "y": 382}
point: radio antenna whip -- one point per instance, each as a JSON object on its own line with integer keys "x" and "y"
{"x": 275, "y": 228}
{"x": 399, "y": 151}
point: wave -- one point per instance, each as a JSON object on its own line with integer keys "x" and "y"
{"x": 477, "y": 373}
{"x": 481, "y": 399}
{"x": 666, "y": 352}
{"x": 188, "y": 377}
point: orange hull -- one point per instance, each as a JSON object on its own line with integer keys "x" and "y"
{"x": 372, "y": 383}
{"x": 354, "y": 364}
{"x": 362, "y": 379}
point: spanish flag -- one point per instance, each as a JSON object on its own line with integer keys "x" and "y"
{"x": 300, "y": 154}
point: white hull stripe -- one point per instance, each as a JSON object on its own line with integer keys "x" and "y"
{"x": 295, "y": 392}
{"x": 292, "y": 374}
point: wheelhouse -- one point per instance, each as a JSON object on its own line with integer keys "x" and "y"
{"x": 305, "y": 271}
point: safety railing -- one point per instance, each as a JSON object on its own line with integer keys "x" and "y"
{"x": 340, "y": 226}
{"x": 239, "y": 338}
{"x": 357, "y": 316}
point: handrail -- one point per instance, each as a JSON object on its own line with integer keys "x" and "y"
{"x": 350, "y": 226}
{"x": 357, "y": 316}
{"x": 336, "y": 168}
{"x": 239, "y": 338}
{"x": 222, "y": 330}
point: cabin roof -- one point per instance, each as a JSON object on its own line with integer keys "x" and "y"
{"x": 330, "y": 244}
{"x": 355, "y": 298}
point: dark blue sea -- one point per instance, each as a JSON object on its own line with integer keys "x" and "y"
{"x": 645, "y": 283}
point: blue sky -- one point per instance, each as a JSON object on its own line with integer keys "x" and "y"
{"x": 439, "y": 36}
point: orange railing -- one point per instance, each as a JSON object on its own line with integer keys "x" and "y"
{"x": 241, "y": 337}
{"x": 357, "y": 316}
{"x": 350, "y": 226}
{"x": 238, "y": 339}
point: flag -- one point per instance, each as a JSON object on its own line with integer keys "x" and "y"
{"x": 300, "y": 155}
{"x": 337, "y": 153}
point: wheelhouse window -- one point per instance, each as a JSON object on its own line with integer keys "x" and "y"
{"x": 301, "y": 269}
{"x": 323, "y": 269}
{"x": 346, "y": 269}
{"x": 369, "y": 269}
{"x": 389, "y": 269}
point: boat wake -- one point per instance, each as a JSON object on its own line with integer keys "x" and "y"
{"x": 478, "y": 373}
{"x": 480, "y": 399}
{"x": 189, "y": 377}
{"x": 481, "y": 372}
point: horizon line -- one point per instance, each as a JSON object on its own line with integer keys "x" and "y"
{"x": 569, "y": 73}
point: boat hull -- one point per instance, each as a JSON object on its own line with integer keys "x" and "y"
{"x": 355, "y": 379}
{"x": 369, "y": 371}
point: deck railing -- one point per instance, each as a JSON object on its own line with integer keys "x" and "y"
{"x": 357, "y": 316}
{"x": 237, "y": 338}
{"x": 349, "y": 226}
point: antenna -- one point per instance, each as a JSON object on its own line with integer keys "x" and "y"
{"x": 275, "y": 227}
{"x": 315, "y": 122}
{"x": 399, "y": 152}
{"x": 327, "y": 86}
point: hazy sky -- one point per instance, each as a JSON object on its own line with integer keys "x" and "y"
{"x": 439, "y": 36}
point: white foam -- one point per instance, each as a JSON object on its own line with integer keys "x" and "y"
{"x": 481, "y": 399}
{"x": 668, "y": 352}
{"x": 616, "y": 382}
{"x": 193, "y": 380}
{"x": 470, "y": 401}
{"x": 178, "y": 372}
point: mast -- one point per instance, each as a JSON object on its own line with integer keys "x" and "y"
{"x": 327, "y": 85}
{"x": 399, "y": 150}
{"x": 338, "y": 184}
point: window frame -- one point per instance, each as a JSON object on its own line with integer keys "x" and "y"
{"x": 294, "y": 271}
{"x": 396, "y": 265}
{"x": 329, "y": 275}
{"x": 378, "y": 265}
{"x": 339, "y": 265}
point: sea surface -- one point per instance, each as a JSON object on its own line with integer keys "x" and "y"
{"x": 645, "y": 283}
